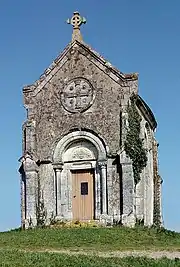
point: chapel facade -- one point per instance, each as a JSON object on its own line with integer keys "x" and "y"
{"x": 74, "y": 164}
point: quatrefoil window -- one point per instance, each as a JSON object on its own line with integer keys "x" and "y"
{"x": 77, "y": 95}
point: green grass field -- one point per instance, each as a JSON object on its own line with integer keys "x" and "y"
{"x": 20, "y": 248}
{"x": 102, "y": 239}
{"x": 19, "y": 259}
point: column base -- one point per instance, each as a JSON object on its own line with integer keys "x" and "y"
{"x": 106, "y": 219}
{"x": 29, "y": 223}
{"x": 128, "y": 220}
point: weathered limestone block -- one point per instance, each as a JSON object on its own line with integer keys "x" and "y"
{"x": 113, "y": 185}
{"x": 66, "y": 192}
{"x": 47, "y": 189}
{"x": 139, "y": 198}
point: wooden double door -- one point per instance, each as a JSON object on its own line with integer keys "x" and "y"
{"x": 83, "y": 194}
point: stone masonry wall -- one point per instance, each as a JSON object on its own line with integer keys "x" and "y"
{"x": 53, "y": 121}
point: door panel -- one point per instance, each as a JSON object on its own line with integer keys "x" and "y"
{"x": 82, "y": 195}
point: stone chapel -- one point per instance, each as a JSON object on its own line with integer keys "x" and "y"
{"x": 74, "y": 164}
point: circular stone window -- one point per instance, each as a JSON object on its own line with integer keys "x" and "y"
{"x": 77, "y": 95}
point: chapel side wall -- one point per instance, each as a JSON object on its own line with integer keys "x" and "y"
{"x": 141, "y": 187}
{"x": 145, "y": 188}
{"x": 149, "y": 183}
{"x": 150, "y": 200}
{"x": 148, "y": 136}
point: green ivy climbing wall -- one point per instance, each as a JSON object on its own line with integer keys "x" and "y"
{"x": 134, "y": 144}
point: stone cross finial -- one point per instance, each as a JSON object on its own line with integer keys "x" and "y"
{"x": 76, "y": 21}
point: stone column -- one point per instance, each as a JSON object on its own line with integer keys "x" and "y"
{"x": 97, "y": 193}
{"x": 23, "y": 194}
{"x": 128, "y": 217}
{"x": 31, "y": 194}
{"x": 58, "y": 193}
{"x": 103, "y": 186}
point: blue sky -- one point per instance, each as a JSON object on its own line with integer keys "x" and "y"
{"x": 135, "y": 36}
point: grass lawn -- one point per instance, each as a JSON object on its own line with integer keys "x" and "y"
{"x": 101, "y": 239}
{"x": 20, "y": 259}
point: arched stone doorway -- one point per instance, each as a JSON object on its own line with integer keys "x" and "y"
{"x": 79, "y": 162}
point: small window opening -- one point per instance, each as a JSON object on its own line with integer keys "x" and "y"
{"x": 84, "y": 188}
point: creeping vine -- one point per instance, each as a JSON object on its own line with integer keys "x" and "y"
{"x": 134, "y": 144}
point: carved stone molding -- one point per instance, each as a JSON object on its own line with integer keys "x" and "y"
{"x": 77, "y": 95}
{"x": 81, "y": 153}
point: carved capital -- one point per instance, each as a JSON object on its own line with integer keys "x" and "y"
{"x": 28, "y": 163}
{"x": 58, "y": 166}
{"x": 102, "y": 164}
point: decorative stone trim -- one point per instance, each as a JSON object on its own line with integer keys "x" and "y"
{"x": 60, "y": 147}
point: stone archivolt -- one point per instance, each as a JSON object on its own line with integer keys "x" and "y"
{"x": 82, "y": 150}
